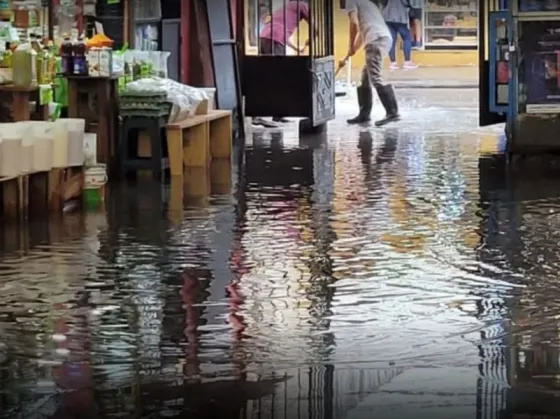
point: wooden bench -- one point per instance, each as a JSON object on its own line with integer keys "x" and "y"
{"x": 195, "y": 141}
{"x": 41, "y": 192}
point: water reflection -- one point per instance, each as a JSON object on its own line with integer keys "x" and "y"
{"x": 385, "y": 270}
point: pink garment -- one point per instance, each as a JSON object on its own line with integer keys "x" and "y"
{"x": 279, "y": 29}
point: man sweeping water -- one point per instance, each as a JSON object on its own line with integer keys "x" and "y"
{"x": 368, "y": 29}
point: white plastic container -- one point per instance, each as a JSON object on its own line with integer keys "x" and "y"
{"x": 10, "y": 156}
{"x": 20, "y": 129}
{"x": 60, "y": 145}
{"x": 27, "y": 146}
{"x": 43, "y": 137}
{"x": 76, "y": 131}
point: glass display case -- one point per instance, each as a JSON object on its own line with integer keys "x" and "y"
{"x": 450, "y": 24}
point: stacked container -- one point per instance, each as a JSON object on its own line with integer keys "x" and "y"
{"x": 60, "y": 146}
{"x": 76, "y": 130}
{"x": 43, "y": 138}
{"x": 10, "y": 151}
{"x": 38, "y": 146}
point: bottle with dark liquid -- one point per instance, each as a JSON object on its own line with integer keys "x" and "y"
{"x": 66, "y": 56}
{"x": 80, "y": 57}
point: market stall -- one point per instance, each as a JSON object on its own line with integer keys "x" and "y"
{"x": 41, "y": 155}
{"x": 123, "y": 111}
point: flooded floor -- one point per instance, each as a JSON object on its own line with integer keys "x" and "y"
{"x": 374, "y": 273}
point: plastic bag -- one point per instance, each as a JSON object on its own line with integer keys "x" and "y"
{"x": 142, "y": 65}
{"x": 118, "y": 65}
{"x": 162, "y": 65}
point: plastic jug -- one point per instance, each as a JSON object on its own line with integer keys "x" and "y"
{"x": 24, "y": 65}
{"x": 19, "y": 130}
{"x": 76, "y": 131}
{"x": 43, "y": 137}
{"x": 60, "y": 145}
{"x": 10, "y": 156}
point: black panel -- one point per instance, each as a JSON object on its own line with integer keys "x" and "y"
{"x": 170, "y": 9}
{"x": 276, "y": 86}
{"x": 103, "y": 9}
{"x": 171, "y": 42}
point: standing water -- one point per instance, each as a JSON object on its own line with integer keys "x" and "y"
{"x": 390, "y": 271}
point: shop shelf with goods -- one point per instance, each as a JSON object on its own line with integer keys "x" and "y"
{"x": 450, "y": 24}
{"x": 27, "y": 64}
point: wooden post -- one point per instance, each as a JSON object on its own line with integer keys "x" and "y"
{"x": 20, "y": 106}
{"x": 54, "y": 199}
{"x": 220, "y": 176}
{"x": 38, "y": 192}
{"x": 126, "y": 20}
{"x": 220, "y": 137}
{"x": 175, "y": 149}
{"x": 186, "y": 6}
{"x": 50, "y": 12}
{"x": 196, "y": 147}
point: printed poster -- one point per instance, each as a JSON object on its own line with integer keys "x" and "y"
{"x": 540, "y": 48}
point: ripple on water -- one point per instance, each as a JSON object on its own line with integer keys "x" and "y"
{"x": 375, "y": 267}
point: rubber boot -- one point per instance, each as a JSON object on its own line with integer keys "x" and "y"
{"x": 365, "y": 101}
{"x": 389, "y": 101}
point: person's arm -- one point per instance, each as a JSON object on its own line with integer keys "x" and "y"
{"x": 354, "y": 35}
{"x": 292, "y": 46}
{"x": 304, "y": 14}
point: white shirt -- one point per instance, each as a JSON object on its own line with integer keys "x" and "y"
{"x": 371, "y": 22}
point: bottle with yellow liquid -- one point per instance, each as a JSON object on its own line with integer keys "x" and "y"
{"x": 7, "y": 57}
{"x": 24, "y": 65}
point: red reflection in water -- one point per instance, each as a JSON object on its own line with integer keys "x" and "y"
{"x": 74, "y": 376}
{"x": 236, "y": 300}
{"x": 190, "y": 292}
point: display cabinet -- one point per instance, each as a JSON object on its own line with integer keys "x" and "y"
{"x": 450, "y": 24}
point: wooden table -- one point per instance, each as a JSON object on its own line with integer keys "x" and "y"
{"x": 95, "y": 99}
{"x": 21, "y": 97}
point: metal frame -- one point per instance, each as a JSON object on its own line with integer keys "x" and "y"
{"x": 321, "y": 61}
{"x": 486, "y": 115}
{"x": 493, "y": 17}
{"x": 225, "y": 62}
{"x": 302, "y": 84}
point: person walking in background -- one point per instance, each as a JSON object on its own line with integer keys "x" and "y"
{"x": 276, "y": 35}
{"x": 415, "y": 15}
{"x": 368, "y": 29}
{"x": 396, "y": 14}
